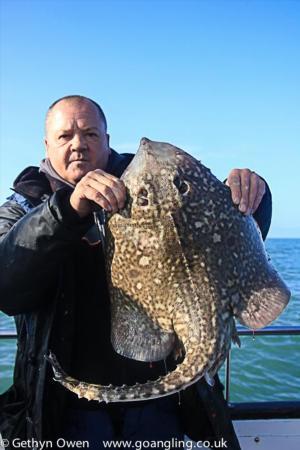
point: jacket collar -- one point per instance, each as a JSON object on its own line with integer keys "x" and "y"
{"x": 35, "y": 186}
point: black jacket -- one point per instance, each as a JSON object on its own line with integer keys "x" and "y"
{"x": 40, "y": 246}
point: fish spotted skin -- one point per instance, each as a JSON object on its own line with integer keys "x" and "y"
{"x": 182, "y": 263}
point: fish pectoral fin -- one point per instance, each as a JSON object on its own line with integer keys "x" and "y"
{"x": 263, "y": 305}
{"x": 134, "y": 333}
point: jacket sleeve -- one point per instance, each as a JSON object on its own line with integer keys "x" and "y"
{"x": 32, "y": 245}
{"x": 263, "y": 214}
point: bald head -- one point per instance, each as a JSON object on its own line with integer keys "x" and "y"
{"x": 76, "y": 100}
{"x": 76, "y": 139}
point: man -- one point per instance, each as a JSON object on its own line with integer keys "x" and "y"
{"x": 53, "y": 282}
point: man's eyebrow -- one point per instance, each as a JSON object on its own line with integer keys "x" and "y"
{"x": 89, "y": 128}
{"x": 69, "y": 130}
{"x": 64, "y": 131}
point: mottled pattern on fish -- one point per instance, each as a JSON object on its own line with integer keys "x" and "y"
{"x": 182, "y": 262}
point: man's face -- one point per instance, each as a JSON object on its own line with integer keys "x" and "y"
{"x": 76, "y": 140}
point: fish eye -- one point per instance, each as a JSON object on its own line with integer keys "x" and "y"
{"x": 182, "y": 186}
{"x": 142, "y": 199}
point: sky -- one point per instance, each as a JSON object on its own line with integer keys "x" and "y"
{"x": 219, "y": 79}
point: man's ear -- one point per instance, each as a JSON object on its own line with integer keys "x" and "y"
{"x": 46, "y": 147}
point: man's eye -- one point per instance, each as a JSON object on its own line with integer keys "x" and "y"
{"x": 64, "y": 136}
{"x": 91, "y": 134}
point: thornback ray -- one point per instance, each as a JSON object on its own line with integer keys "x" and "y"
{"x": 182, "y": 263}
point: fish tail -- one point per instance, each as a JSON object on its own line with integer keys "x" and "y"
{"x": 185, "y": 374}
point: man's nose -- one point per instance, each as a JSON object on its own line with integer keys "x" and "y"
{"x": 78, "y": 142}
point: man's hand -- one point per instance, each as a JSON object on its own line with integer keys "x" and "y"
{"x": 101, "y": 188}
{"x": 247, "y": 189}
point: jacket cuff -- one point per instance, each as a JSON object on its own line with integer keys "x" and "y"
{"x": 263, "y": 214}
